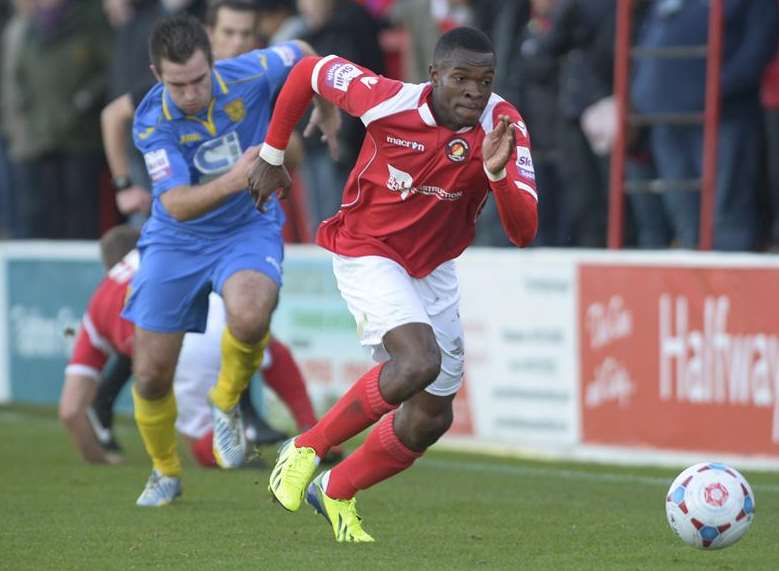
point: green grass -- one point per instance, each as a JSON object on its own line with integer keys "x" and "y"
{"x": 451, "y": 511}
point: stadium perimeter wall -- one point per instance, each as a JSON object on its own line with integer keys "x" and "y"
{"x": 636, "y": 357}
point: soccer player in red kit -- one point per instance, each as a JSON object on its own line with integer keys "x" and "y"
{"x": 432, "y": 154}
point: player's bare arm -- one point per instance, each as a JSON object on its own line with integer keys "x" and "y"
{"x": 78, "y": 393}
{"x": 115, "y": 122}
{"x": 268, "y": 176}
{"x": 191, "y": 201}
{"x": 327, "y": 119}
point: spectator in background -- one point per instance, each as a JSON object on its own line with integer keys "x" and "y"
{"x": 6, "y": 205}
{"x": 13, "y": 119}
{"x": 536, "y": 91}
{"x": 61, "y": 77}
{"x": 346, "y": 29}
{"x": 770, "y": 98}
{"x": 416, "y": 16}
{"x": 278, "y": 21}
{"x": 677, "y": 86}
{"x": 505, "y": 22}
{"x": 130, "y": 71}
{"x": 378, "y": 8}
{"x": 582, "y": 35}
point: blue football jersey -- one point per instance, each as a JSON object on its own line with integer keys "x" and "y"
{"x": 184, "y": 149}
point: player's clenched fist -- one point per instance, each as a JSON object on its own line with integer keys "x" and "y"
{"x": 265, "y": 179}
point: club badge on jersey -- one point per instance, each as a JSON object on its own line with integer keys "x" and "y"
{"x": 457, "y": 150}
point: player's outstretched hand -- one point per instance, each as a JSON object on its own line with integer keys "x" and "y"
{"x": 498, "y": 145}
{"x": 327, "y": 119}
{"x": 265, "y": 179}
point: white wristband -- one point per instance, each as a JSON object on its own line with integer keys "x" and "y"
{"x": 494, "y": 177}
{"x": 271, "y": 155}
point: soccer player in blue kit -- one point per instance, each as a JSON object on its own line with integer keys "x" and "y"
{"x": 198, "y": 129}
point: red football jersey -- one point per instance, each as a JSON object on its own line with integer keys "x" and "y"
{"x": 103, "y": 330}
{"x": 417, "y": 188}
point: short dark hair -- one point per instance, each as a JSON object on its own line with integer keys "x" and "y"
{"x": 462, "y": 38}
{"x": 238, "y": 5}
{"x": 117, "y": 243}
{"x": 275, "y": 5}
{"x": 176, "y": 39}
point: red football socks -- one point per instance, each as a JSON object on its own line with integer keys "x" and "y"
{"x": 361, "y": 406}
{"x": 285, "y": 379}
{"x": 381, "y": 456}
{"x": 203, "y": 450}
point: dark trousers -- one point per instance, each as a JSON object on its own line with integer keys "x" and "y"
{"x": 585, "y": 186}
{"x": 678, "y": 154}
{"x": 651, "y": 221}
{"x": 552, "y": 223}
{"x": 57, "y": 196}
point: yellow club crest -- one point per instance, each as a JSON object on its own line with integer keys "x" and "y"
{"x": 236, "y": 110}
{"x": 146, "y": 133}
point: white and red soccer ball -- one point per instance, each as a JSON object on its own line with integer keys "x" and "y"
{"x": 710, "y": 506}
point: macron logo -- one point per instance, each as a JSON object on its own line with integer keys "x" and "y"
{"x": 413, "y": 145}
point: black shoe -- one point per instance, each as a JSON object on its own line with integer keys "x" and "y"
{"x": 103, "y": 433}
{"x": 259, "y": 432}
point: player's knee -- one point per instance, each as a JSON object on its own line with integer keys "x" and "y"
{"x": 153, "y": 379}
{"x": 420, "y": 368}
{"x": 250, "y": 326}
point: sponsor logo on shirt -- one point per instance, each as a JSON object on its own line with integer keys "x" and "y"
{"x": 340, "y": 75}
{"x": 413, "y": 145}
{"x": 190, "y": 138}
{"x": 402, "y": 182}
{"x": 218, "y": 155}
{"x": 457, "y": 150}
{"x": 286, "y": 54}
{"x": 525, "y": 163}
{"x": 157, "y": 164}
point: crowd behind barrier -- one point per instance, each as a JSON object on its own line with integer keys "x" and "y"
{"x": 64, "y": 61}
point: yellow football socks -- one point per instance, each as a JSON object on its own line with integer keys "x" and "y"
{"x": 156, "y": 421}
{"x": 239, "y": 362}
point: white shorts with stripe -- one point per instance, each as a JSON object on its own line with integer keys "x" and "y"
{"x": 382, "y": 296}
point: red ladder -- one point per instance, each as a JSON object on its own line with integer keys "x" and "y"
{"x": 623, "y": 54}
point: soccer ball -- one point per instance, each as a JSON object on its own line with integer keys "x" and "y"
{"x": 710, "y": 506}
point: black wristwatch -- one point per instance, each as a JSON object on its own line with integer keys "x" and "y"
{"x": 122, "y": 182}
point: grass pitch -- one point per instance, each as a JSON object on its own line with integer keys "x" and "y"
{"x": 450, "y": 511}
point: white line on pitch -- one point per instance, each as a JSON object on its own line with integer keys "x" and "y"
{"x": 440, "y": 463}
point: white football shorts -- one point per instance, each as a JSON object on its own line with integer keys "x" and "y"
{"x": 197, "y": 370}
{"x": 382, "y": 296}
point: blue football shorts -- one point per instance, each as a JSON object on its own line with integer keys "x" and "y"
{"x": 170, "y": 291}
